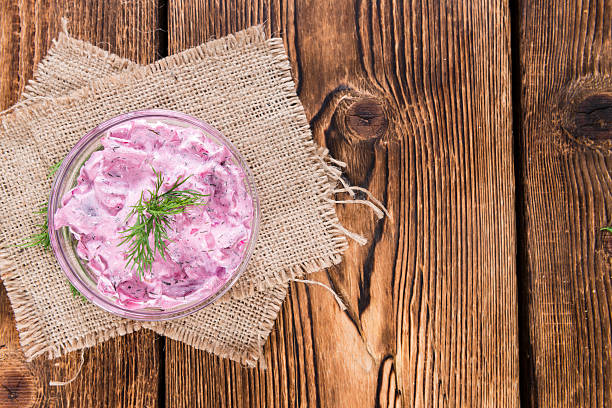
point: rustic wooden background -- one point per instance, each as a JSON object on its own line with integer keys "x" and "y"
{"x": 484, "y": 126}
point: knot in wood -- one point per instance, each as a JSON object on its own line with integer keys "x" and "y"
{"x": 366, "y": 119}
{"x": 17, "y": 387}
{"x": 593, "y": 117}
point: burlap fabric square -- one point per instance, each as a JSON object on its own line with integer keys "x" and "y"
{"x": 241, "y": 84}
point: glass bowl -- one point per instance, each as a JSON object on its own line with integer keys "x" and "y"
{"x": 64, "y": 244}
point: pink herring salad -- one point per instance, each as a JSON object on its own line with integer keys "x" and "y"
{"x": 205, "y": 243}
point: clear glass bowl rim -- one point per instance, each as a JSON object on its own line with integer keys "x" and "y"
{"x": 73, "y": 276}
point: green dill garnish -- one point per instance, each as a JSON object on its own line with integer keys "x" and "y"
{"x": 76, "y": 294}
{"x": 607, "y": 229}
{"x": 153, "y": 218}
{"x": 41, "y": 238}
{"x": 53, "y": 169}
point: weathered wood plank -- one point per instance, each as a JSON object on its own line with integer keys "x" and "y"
{"x": 415, "y": 97}
{"x": 565, "y": 53}
{"x": 122, "y": 372}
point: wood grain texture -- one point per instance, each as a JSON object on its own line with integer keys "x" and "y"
{"x": 415, "y": 97}
{"x": 122, "y": 372}
{"x": 565, "y": 67}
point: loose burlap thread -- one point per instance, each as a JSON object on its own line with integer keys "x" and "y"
{"x": 241, "y": 84}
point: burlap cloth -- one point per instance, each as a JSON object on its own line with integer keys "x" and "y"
{"x": 241, "y": 84}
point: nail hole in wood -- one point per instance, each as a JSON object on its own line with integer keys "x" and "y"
{"x": 593, "y": 117}
{"x": 366, "y": 119}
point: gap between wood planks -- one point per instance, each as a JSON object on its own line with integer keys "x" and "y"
{"x": 162, "y": 52}
{"x": 525, "y": 378}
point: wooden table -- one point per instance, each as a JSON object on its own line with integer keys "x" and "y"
{"x": 489, "y": 287}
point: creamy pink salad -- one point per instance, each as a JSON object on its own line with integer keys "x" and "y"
{"x": 206, "y": 243}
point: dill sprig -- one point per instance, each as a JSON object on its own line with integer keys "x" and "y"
{"x": 153, "y": 216}
{"x": 41, "y": 238}
{"x": 76, "y": 294}
{"x": 53, "y": 169}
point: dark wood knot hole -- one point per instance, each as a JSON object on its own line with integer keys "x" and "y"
{"x": 593, "y": 117}
{"x": 16, "y": 387}
{"x": 366, "y": 118}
